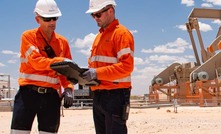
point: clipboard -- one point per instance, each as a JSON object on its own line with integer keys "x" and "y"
{"x": 72, "y": 71}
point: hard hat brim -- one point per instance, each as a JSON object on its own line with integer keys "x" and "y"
{"x": 92, "y": 10}
{"x": 52, "y": 15}
{"x": 96, "y": 10}
{"x": 49, "y": 15}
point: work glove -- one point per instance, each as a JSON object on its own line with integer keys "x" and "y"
{"x": 68, "y": 97}
{"x": 90, "y": 74}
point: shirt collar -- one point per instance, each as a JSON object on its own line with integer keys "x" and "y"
{"x": 111, "y": 26}
{"x": 41, "y": 33}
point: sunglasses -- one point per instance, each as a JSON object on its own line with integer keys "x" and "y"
{"x": 49, "y": 19}
{"x": 98, "y": 15}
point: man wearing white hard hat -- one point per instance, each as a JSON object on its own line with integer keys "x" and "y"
{"x": 111, "y": 62}
{"x": 39, "y": 86}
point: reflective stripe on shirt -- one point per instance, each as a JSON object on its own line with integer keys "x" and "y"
{"x": 27, "y": 53}
{"x": 124, "y": 51}
{"x": 108, "y": 59}
{"x": 105, "y": 59}
{"x": 125, "y": 79}
{"x": 39, "y": 78}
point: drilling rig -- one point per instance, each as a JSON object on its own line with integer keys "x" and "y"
{"x": 197, "y": 82}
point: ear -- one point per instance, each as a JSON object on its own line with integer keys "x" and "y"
{"x": 112, "y": 10}
{"x": 37, "y": 19}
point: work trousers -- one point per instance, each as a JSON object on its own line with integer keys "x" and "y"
{"x": 29, "y": 103}
{"x": 108, "y": 110}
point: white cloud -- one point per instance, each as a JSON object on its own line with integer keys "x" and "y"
{"x": 147, "y": 51}
{"x": 12, "y": 61}
{"x": 168, "y": 59}
{"x": 179, "y": 42}
{"x": 217, "y": 22}
{"x": 178, "y": 46}
{"x": 15, "y": 55}
{"x": 86, "y": 42}
{"x": 203, "y": 27}
{"x": 2, "y": 65}
{"x": 188, "y": 2}
{"x": 168, "y": 49}
{"x": 189, "y": 57}
{"x": 184, "y": 59}
{"x": 182, "y": 27}
{"x": 85, "y": 52}
{"x": 206, "y": 5}
{"x": 162, "y": 58}
{"x": 133, "y": 31}
{"x": 139, "y": 61}
{"x": 214, "y": 2}
{"x": 141, "y": 79}
{"x": 9, "y": 52}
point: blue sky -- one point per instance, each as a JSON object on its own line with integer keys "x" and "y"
{"x": 158, "y": 27}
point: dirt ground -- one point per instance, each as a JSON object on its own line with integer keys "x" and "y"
{"x": 187, "y": 120}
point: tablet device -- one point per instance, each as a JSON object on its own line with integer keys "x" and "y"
{"x": 72, "y": 71}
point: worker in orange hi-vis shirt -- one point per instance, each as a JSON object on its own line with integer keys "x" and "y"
{"x": 111, "y": 62}
{"x": 39, "y": 85}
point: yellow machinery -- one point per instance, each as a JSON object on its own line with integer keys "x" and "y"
{"x": 193, "y": 82}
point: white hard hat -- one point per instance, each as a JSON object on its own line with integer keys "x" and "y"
{"x": 47, "y": 8}
{"x": 96, "y": 5}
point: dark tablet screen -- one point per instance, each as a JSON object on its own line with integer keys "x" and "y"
{"x": 72, "y": 71}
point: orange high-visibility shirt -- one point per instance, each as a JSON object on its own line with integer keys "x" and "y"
{"x": 35, "y": 64}
{"x": 112, "y": 56}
